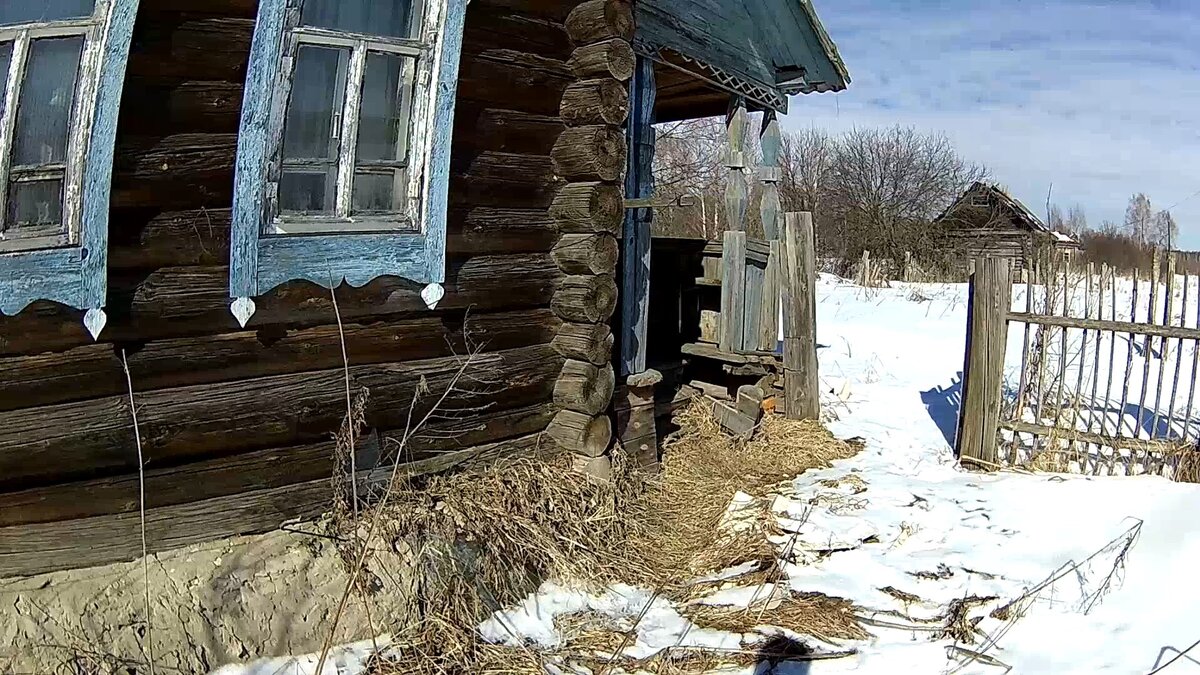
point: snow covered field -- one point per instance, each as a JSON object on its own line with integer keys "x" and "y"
{"x": 1060, "y": 573}
{"x": 1101, "y": 565}
{"x": 887, "y": 357}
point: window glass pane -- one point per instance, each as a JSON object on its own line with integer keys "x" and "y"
{"x": 30, "y": 11}
{"x": 44, "y": 112}
{"x": 6, "y": 51}
{"x": 306, "y": 192}
{"x": 315, "y": 108}
{"x": 379, "y": 192}
{"x": 35, "y": 203}
{"x": 388, "y": 18}
{"x": 383, "y": 120}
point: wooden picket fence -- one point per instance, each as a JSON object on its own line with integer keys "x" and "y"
{"x": 1107, "y": 376}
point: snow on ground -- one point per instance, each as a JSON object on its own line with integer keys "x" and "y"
{"x": 888, "y": 355}
{"x": 1105, "y": 564}
{"x": 1117, "y": 551}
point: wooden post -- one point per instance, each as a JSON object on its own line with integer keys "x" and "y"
{"x": 983, "y": 369}
{"x": 634, "y": 409}
{"x": 736, "y": 192}
{"x": 799, "y": 275}
{"x": 639, "y": 183}
{"x": 733, "y": 291}
{"x": 768, "y": 329}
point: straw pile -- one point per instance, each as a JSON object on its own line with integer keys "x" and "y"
{"x": 485, "y": 538}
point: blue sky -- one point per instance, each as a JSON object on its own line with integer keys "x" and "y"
{"x": 1100, "y": 98}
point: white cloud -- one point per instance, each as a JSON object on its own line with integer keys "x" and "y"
{"x": 1101, "y": 99}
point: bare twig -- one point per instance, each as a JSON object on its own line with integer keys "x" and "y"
{"x": 137, "y": 434}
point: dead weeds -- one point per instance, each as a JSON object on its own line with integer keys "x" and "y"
{"x": 485, "y": 538}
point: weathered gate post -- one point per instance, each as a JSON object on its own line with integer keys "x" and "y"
{"x": 989, "y": 302}
{"x": 799, "y": 298}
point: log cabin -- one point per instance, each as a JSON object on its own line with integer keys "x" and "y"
{"x": 986, "y": 220}
{"x": 225, "y": 220}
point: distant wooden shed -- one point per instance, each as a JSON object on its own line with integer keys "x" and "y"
{"x": 986, "y": 220}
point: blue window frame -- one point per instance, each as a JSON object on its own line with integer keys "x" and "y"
{"x": 62, "y": 69}
{"x": 344, "y": 151}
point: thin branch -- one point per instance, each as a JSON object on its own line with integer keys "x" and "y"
{"x": 137, "y": 434}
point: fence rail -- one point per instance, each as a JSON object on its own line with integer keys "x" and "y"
{"x": 1107, "y": 375}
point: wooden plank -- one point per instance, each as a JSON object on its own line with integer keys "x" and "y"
{"x": 768, "y": 325}
{"x": 733, "y": 291}
{"x": 757, "y": 251}
{"x": 1100, "y": 439}
{"x": 800, "y": 317}
{"x": 1132, "y": 328}
{"x": 753, "y": 297}
{"x": 639, "y": 183}
{"x": 714, "y": 352}
{"x": 990, "y": 297}
{"x": 710, "y": 326}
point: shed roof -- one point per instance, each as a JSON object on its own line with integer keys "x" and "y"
{"x": 773, "y": 48}
{"x": 1014, "y": 206}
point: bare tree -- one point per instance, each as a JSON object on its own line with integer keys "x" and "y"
{"x": 1076, "y": 220}
{"x": 887, "y": 185}
{"x": 1164, "y": 231}
{"x": 688, "y": 161}
{"x": 1138, "y": 218}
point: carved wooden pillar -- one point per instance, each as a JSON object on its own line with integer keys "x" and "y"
{"x": 771, "y": 141}
{"x": 737, "y": 123}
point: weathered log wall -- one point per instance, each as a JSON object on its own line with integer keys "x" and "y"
{"x": 236, "y": 423}
{"x": 589, "y": 210}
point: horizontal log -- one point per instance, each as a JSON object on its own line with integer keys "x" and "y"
{"x": 181, "y": 47}
{"x": 510, "y": 131}
{"x": 591, "y": 342}
{"x": 585, "y": 299}
{"x": 589, "y": 207}
{"x": 194, "y": 106}
{"x": 194, "y": 301}
{"x": 611, "y": 58}
{"x": 586, "y": 254}
{"x": 485, "y": 230}
{"x": 600, "y": 20}
{"x": 188, "y": 423}
{"x": 87, "y": 542}
{"x": 489, "y": 28}
{"x": 260, "y": 470}
{"x": 201, "y": 237}
{"x": 595, "y": 101}
{"x": 178, "y": 172}
{"x": 93, "y": 371}
{"x": 585, "y": 388}
{"x": 581, "y": 434}
{"x": 514, "y": 80}
{"x": 1147, "y": 329}
{"x": 1077, "y": 436}
{"x": 590, "y": 153}
{"x": 173, "y": 238}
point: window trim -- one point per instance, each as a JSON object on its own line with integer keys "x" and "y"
{"x": 261, "y": 260}
{"x": 75, "y": 274}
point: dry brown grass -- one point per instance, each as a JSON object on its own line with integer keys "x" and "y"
{"x": 483, "y": 539}
{"x": 829, "y": 619}
{"x": 1187, "y": 465}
